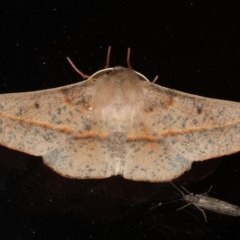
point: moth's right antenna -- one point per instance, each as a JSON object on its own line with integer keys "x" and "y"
{"x": 155, "y": 79}
{"x": 128, "y": 58}
{"x": 108, "y": 57}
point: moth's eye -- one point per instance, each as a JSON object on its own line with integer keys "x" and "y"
{"x": 108, "y": 72}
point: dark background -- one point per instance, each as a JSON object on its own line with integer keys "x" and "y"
{"x": 193, "y": 46}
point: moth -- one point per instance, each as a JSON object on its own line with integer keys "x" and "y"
{"x": 212, "y": 204}
{"x": 118, "y": 123}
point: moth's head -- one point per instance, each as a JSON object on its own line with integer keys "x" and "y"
{"x": 115, "y": 70}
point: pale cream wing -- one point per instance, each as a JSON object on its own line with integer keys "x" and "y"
{"x": 175, "y": 129}
{"x": 55, "y": 124}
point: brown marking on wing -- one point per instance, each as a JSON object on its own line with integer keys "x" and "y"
{"x": 73, "y": 98}
{"x": 19, "y": 120}
{"x": 199, "y": 109}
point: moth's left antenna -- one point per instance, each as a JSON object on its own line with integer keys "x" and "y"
{"x": 76, "y": 69}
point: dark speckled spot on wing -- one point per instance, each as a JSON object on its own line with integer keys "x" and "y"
{"x": 81, "y": 158}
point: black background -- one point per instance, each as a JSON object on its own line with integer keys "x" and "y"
{"x": 193, "y": 47}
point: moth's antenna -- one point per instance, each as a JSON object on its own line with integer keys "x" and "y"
{"x": 155, "y": 79}
{"x": 178, "y": 189}
{"x": 129, "y": 64}
{"x": 108, "y": 57}
{"x": 76, "y": 69}
{"x": 160, "y": 204}
{"x": 201, "y": 194}
{"x": 186, "y": 190}
{"x": 170, "y": 201}
{"x": 208, "y": 190}
{"x": 128, "y": 58}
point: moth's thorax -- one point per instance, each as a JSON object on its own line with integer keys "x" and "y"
{"x": 192, "y": 198}
{"x": 117, "y": 97}
{"x": 118, "y": 94}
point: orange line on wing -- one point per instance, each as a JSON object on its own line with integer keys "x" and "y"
{"x": 58, "y": 128}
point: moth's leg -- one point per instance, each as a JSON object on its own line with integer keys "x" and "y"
{"x": 202, "y": 212}
{"x": 184, "y": 206}
{"x": 196, "y": 207}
